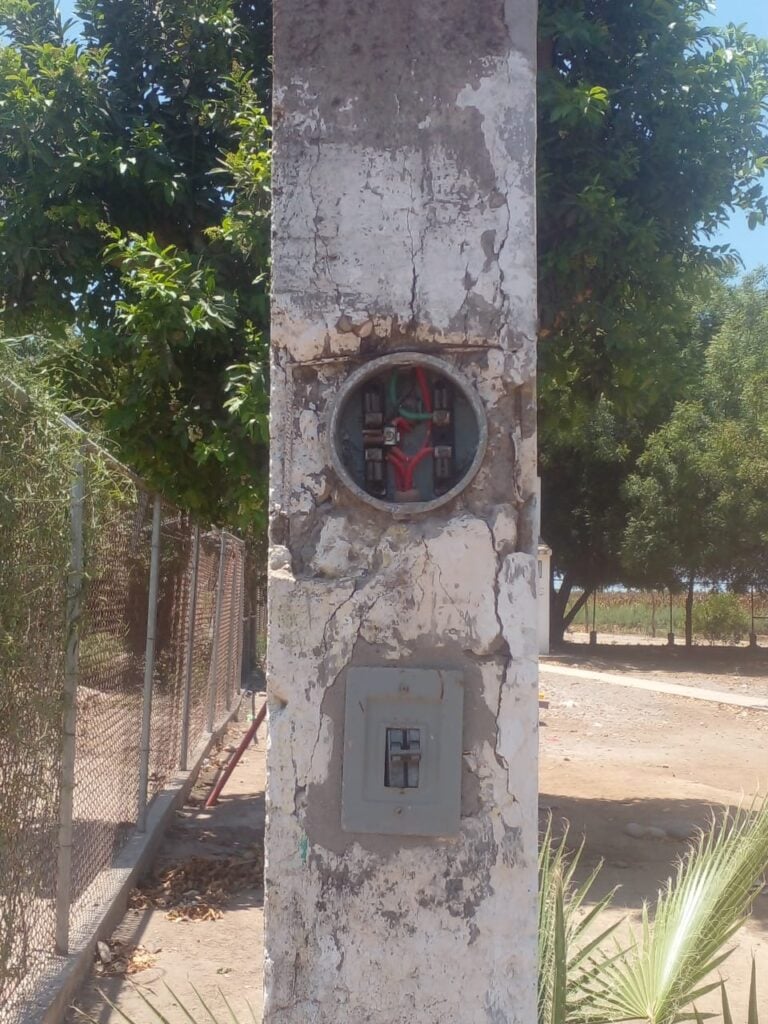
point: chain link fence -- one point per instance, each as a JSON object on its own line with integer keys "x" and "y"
{"x": 121, "y": 646}
{"x": 254, "y": 624}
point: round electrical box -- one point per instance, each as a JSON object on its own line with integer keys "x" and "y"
{"x": 408, "y": 433}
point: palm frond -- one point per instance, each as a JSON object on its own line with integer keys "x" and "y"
{"x": 752, "y": 1012}
{"x": 567, "y": 958}
{"x": 696, "y": 917}
{"x": 727, "y": 1017}
{"x": 202, "y": 1015}
{"x": 752, "y": 1015}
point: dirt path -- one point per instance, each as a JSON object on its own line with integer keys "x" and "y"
{"x": 737, "y": 670}
{"x": 693, "y": 692}
{"x": 613, "y": 757}
{"x": 222, "y": 954}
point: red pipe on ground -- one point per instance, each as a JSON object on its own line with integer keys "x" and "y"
{"x": 232, "y": 763}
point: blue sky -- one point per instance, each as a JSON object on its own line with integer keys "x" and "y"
{"x": 753, "y": 245}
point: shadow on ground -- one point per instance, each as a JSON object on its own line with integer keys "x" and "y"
{"x": 646, "y": 657}
{"x": 638, "y": 866}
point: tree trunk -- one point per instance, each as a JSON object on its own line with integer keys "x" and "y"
{"x": 558, "y": 600}
{"x": 689, "y": 613}
{"x": 576, "y": 607}
{"x": 559, "y": 619}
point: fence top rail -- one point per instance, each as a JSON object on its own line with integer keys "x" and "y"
{"x": 26, "y": 400}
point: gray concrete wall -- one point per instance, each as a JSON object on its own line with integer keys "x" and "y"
{"x": 404, "y": 218}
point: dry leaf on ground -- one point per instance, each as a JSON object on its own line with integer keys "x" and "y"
{"x": 195, "y": 889}
{"x": 119, "y": 958}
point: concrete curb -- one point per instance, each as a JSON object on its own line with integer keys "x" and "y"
{"x": 54, "y": 996}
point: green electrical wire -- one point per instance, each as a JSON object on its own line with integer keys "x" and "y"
{"x": 393, "y": 388}
{"x": 405, "y": 413}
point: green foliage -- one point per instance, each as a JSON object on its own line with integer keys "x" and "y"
{"x": 673, "y": 536}
{"x": 647, "y": 613}
{"x": 564, "y": 922}
{"x": 734, "y": 387}
{"x": 134, "y": 188}
{"x": 694, "y": 920}
{"x": 658, "y": 974}
{"x": 699, "y": 497}
{"x": 651, "y": 129}
{"x": 753, "y": 1016}
{"x": 720, "y": 617}
{"x": 37, "y": 461}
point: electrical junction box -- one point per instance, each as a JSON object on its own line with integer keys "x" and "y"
{"x": 402, "y": 751}
{"x": 408, "y": 433}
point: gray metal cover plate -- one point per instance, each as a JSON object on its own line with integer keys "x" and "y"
{"x": 430, "y": 700}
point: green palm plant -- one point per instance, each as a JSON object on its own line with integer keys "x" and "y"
{"x": 564, "y": 950}
{"x": 752, "y": 1013}
{"x": 659, "y": 974}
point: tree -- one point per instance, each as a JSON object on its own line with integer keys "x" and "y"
{"x": 673, "y": 535}
{"x": 735, "y": 388}
{"x": 651, "y": 129}
{"x": 133, "y": 229}
{"x": 698, "y": 501}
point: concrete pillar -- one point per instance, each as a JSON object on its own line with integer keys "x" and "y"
{"x": 403, "y": 224}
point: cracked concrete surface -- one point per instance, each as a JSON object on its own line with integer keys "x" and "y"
{"x": 404, "y": 219}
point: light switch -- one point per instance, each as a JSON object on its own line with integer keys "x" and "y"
{"x": 401, "y": 768}
{"x": 402, "y": 751}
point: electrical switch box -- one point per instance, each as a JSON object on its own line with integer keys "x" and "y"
{"x": 408, "y": 432}
{"x": 402, "y": 751}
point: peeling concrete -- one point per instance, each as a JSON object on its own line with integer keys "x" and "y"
{"x": 404, "y": 219}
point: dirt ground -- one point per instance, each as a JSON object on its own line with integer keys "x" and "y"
{"x": 610, "y": 757}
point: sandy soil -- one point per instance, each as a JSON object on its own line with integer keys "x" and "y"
{"x": 610, "y": 756}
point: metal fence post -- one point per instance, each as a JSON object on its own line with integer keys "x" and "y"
{"x": 239, "y": 681}
{"x": 68, "y": 746}
{"x": 187, "y": 702}
{"x": 243, "y": 620}
{"x": 234, "y": 631}
{"x": 216, "y": 636}
{"x": 149, "y": 665}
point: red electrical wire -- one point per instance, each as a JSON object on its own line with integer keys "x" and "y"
{"x": 400, "y": 423}
{"x": 397, "y": 459}
{"x": 426, "y": 397}
{"x": 404, "y": 466}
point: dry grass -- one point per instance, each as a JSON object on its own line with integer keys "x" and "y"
{"x": 647, "y": 613}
